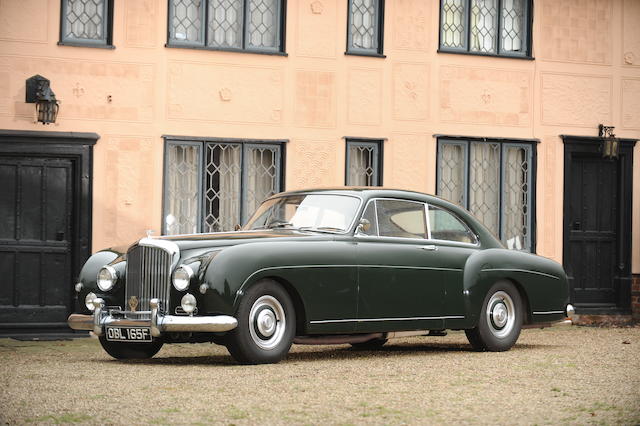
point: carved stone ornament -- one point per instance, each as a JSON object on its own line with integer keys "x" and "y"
{"x": 629, "y": 58}
{"x": 317, "y": 7}
{"x": 225, "y": 94}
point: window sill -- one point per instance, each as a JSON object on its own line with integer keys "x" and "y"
{"x": 220, "y": 49}
{"x": 372, "y": 55}
{"x": 491, "y": 55}
{"x": 81, "y": 44}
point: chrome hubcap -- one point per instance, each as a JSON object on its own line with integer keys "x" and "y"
{"x": 267, "y": 322}
{"x": 501, "y": 314}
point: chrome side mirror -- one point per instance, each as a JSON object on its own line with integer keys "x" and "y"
{"x": 363, "y": 226}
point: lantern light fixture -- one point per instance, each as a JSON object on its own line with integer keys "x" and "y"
{"x": 38, "y": 91}
{"x": 610, "y": 144}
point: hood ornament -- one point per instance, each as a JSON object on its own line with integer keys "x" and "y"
{"x": 133, "y": 303}
{"x": 149, "y": 233}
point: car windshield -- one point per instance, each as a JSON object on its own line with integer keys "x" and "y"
{"x": 319, "y": 212}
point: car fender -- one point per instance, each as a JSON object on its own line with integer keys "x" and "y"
{"x": 542, "y": 281}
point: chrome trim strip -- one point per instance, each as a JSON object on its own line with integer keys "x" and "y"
{"x": 519, "y": 270}
{"x": 387, "y": 319}
{"x": 548, "y": 312}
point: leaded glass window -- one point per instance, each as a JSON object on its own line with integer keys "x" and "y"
{"x": 86, "y": 22}
{"x": 493, "y": 27}
{"x": 213, "y": 185}
{"x": 365, "y": 26}
{"x": 227, "y": 24}
{"x": 493, "y": 180}
{"x": 363, "y": 165}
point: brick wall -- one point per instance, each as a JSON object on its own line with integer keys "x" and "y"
{"x": 635, "y": 297}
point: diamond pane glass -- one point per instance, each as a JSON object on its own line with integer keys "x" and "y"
{"x": 182, "y": 189}
{"x": 186, "y": 20}
{"x": 222, "y": 187}
{"x": 484, "y": 184}
{"x": 513, "y": 24}
{"x": 225, "y": 23}
{"x": 263, "y": 23}
{"x": 451, "y": 173}
{"x": 453, "y": 16}
{"x": 85, "y": 19}
{"x": 515, "y": 227}
{"x": 484, "y": 14}
{"x": 362, "y": 165}
{"x": 364, "y": 24}
{"x": 262, "y": 176}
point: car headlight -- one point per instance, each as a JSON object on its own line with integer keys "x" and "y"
{"x": 88, "y": 301}
{"x": 107, "y": 278}
{"x": 188, "y": 303}
{"x": 182, "y": 277}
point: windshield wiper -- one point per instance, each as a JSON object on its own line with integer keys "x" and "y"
{"x": 321, "y": 229}
{"x": 278, "y": 224}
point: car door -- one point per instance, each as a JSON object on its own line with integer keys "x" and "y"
{"x": 454, "y": 242}
{"x": 399, "y": 289}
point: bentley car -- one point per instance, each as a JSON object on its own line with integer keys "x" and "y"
{"x": 352, "y": 266}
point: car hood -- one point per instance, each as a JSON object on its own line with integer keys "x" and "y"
{"x": 226, "y": 239}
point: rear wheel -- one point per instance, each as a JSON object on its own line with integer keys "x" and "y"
{"x": 266, "y": 325}
{"x": 121, "y": 350}
{"x": 500, "y": 319}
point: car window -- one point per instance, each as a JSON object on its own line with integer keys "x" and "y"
{"x": 370, "y": 215}
{"x": 445, "y": 226}
{"x": 403, "y": 219}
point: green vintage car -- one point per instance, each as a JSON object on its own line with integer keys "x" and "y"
{"x": 328, "y": 266}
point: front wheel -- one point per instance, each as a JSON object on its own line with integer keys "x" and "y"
{"x": 266, "y": 325}
{"x": 122, "y": 350}
{"x": 500, "y": 319}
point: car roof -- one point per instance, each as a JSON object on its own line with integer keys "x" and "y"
{"x": 367, "y": 192}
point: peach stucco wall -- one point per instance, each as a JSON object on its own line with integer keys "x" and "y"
{"x": 586, "y": 71}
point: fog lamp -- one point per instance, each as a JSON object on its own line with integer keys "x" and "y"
{"x": 188, "y": 303}
{"x": 88, "y": 301}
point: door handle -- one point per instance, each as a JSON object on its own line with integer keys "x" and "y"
{"x": 430, "y": 247}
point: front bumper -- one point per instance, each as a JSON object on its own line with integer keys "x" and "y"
{"x": 157, "y": 322}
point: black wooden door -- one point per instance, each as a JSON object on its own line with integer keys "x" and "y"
{"x": 36, "y": 211}
{"x": 593, "y": 230}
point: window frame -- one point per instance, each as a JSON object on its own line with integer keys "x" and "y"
{"x": 377, "y": 144}
{"x": 107, "y": 28}
{"x": 504, "y": 144}
{"x": 379, "y": 29}
{"x": 465, "y": 49}
{"x": 201, "y": 143}
{"x": 279, "y": 50}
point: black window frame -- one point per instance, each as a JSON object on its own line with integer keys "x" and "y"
{"x": 357, "y": 51}
{"x": 281, "y": 33}
{"x": 466, "y": 141}
{"x": 201, "y": 143}
{"x": 104, "y": 43}
{"x": 378, "y": 145}
{"x": 465, "y": 49}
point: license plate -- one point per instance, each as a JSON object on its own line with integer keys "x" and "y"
{"x": 128, "y": 334}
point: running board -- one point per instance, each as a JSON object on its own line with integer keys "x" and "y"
{"x": 339, "y": 339}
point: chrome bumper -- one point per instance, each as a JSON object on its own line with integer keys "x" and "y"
{"x": 158, "y": 323}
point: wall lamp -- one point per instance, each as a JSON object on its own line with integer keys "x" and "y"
{"x": 610, "y": 144}
{"x": 39, "y": 92}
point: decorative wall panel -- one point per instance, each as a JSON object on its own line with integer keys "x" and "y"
{"x": 365, "y": 97}
{"x": 411, "y": 91}
{"x": 631, "y": 103}
{"x": 485, "y": 96}
{"x": 88, "y": 90}
{"x": 311, "y": 164}
{"x": 141, "y": 17}
{"x": 223, "y": 92}
{"x": 631, "y": 32}
{"x": 576, "y": 31}
{"x": 12, "y": 22}
{"x": 408, "y": 154}
{"x": 317, "y": 28}
{"x": 411, "y": 24}
{"x": 315, "y": 99}
{"x": 575, "y": 100}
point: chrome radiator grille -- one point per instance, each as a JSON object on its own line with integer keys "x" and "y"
{"x": 148, "y": 276}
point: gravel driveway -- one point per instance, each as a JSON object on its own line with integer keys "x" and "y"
{"x": 571, "y": 375}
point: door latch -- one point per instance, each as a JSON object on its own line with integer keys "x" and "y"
{"x": 430, "y": 247}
